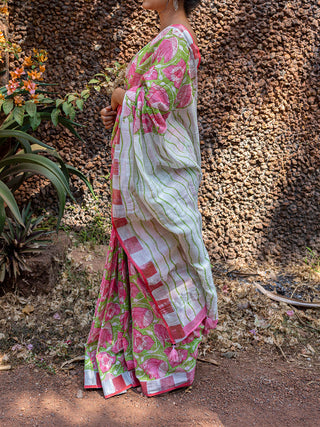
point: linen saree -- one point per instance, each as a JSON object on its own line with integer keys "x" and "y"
{"x": 157, "y": 294}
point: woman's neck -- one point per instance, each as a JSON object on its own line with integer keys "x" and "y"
{"x": 168, "y": 17}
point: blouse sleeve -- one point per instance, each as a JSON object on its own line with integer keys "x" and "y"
{"x": 164, "y": 87}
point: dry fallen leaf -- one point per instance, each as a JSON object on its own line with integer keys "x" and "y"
{"x": 28, "y": 309}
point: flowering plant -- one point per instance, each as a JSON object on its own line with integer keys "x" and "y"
{"x": 4, "y": 8}
{"x": 24, "y": 99}
{"x": 24, "y": 103}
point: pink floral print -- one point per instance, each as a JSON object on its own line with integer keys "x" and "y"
{"x": 105, "y": 361}
{"x": 155, "y": 368}
{"x": 175, "y": 73}
{"x": 184, "y": 96}
{"x": 167, "y": 49}
{"x": 106, "y": 333}
{"x": 133, "y": 339}
{"x": 141, "y": 342}
{"x": 143, "y": 316}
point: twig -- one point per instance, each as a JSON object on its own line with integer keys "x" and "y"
{"x": 282, "y": 352}
{"x": 291, "y": 301}
{"x": 209, "y": 360}
{"x": 75, "y": 359}
{"x": 5, "y": 367}
{"x": 294, "y": 291}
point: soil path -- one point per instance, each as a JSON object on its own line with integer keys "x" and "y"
{"x": 258, "y": 388}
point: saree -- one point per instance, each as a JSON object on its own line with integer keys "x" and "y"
{"x": 157, "y": 295}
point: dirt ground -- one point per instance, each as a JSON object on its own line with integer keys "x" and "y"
{"x": 258, "y": 388}
{"x": 266, "y": 369}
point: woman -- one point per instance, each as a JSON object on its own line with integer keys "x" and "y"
{"x": 157, "y": 295}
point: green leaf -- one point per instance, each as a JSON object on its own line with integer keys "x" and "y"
{"x": 72, "y": 97}
{"x": 70, "y": 125}
{"x": 47, "y": 101}
{"x": 97, "y": 88}
{"x": 42, "y": 170}
{"x": 55, "y": 116}
{"x": 18, "y": 115}
{"x": 62, "y": 119}
{"x": 31, "y": 108}
{"x": 1, "y": 102}
{"x": 66, "y": 108}
{"x": 3, "y": 215}
{"x": 35, "y": 121}
{"x": 94, "y": 81}
{"x": 8, "y": 198}
{"x": 25, "y": 144}
{"x": 7, "y": 106}
{"x": 34, "y": 160}
{"x": 79, "y": 174}
{"x": 72, "y": 113}
{"x": 85, "y": 93}
{"x": 63, "y": 165}
{"x": 10, "y": 133}
{"x": 2, "y": 271}
{"x": 79, "y": 104}
{"x": 59, "y": 102}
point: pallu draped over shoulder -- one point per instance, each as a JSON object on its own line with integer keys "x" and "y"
{"x": 156, "y": 248}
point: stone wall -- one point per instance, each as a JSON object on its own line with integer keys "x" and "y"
{"x": 259, "y": 108}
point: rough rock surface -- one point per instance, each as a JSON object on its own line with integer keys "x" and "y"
{"x": 259, "y": 111}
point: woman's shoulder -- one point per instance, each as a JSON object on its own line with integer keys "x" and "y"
{"x": 177, "y": 31}
{"x": 185, "y": 31}
{"x": 187, "y": 34}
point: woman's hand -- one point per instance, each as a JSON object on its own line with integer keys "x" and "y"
{"x": 109, "y": 113}
{"x": 108, "y": 117}
{"x": 117, "y": 98}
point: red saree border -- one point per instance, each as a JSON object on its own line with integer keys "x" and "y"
{"x": 143, "y": 277}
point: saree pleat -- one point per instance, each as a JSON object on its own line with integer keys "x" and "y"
{"x": 128, "y": 344}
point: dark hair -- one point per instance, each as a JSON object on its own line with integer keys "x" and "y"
{"x": 189, "y": 5}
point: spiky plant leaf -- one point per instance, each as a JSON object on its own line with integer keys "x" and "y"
{"x": 18, "y": 242}
{"x": 7, "y": 197}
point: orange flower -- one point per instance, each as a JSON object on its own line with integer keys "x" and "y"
{"x": 27, "y": 61}
{"x": 12, "y": 86}
{"x": 42, "y": 68}
{"x": 16, "y": 48}
{"x": 30, "y": 86}
{"x": 4, "y": 10}
{"x": 17, "y": 73}
{"x": 34, "y": 75}
{"x": 41, "y": 56}
{"x": 2, "y": 37}
{"x": 34, "y": 97}
{"x": 18, "y": 100}
{"x": 2, "y": 97}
